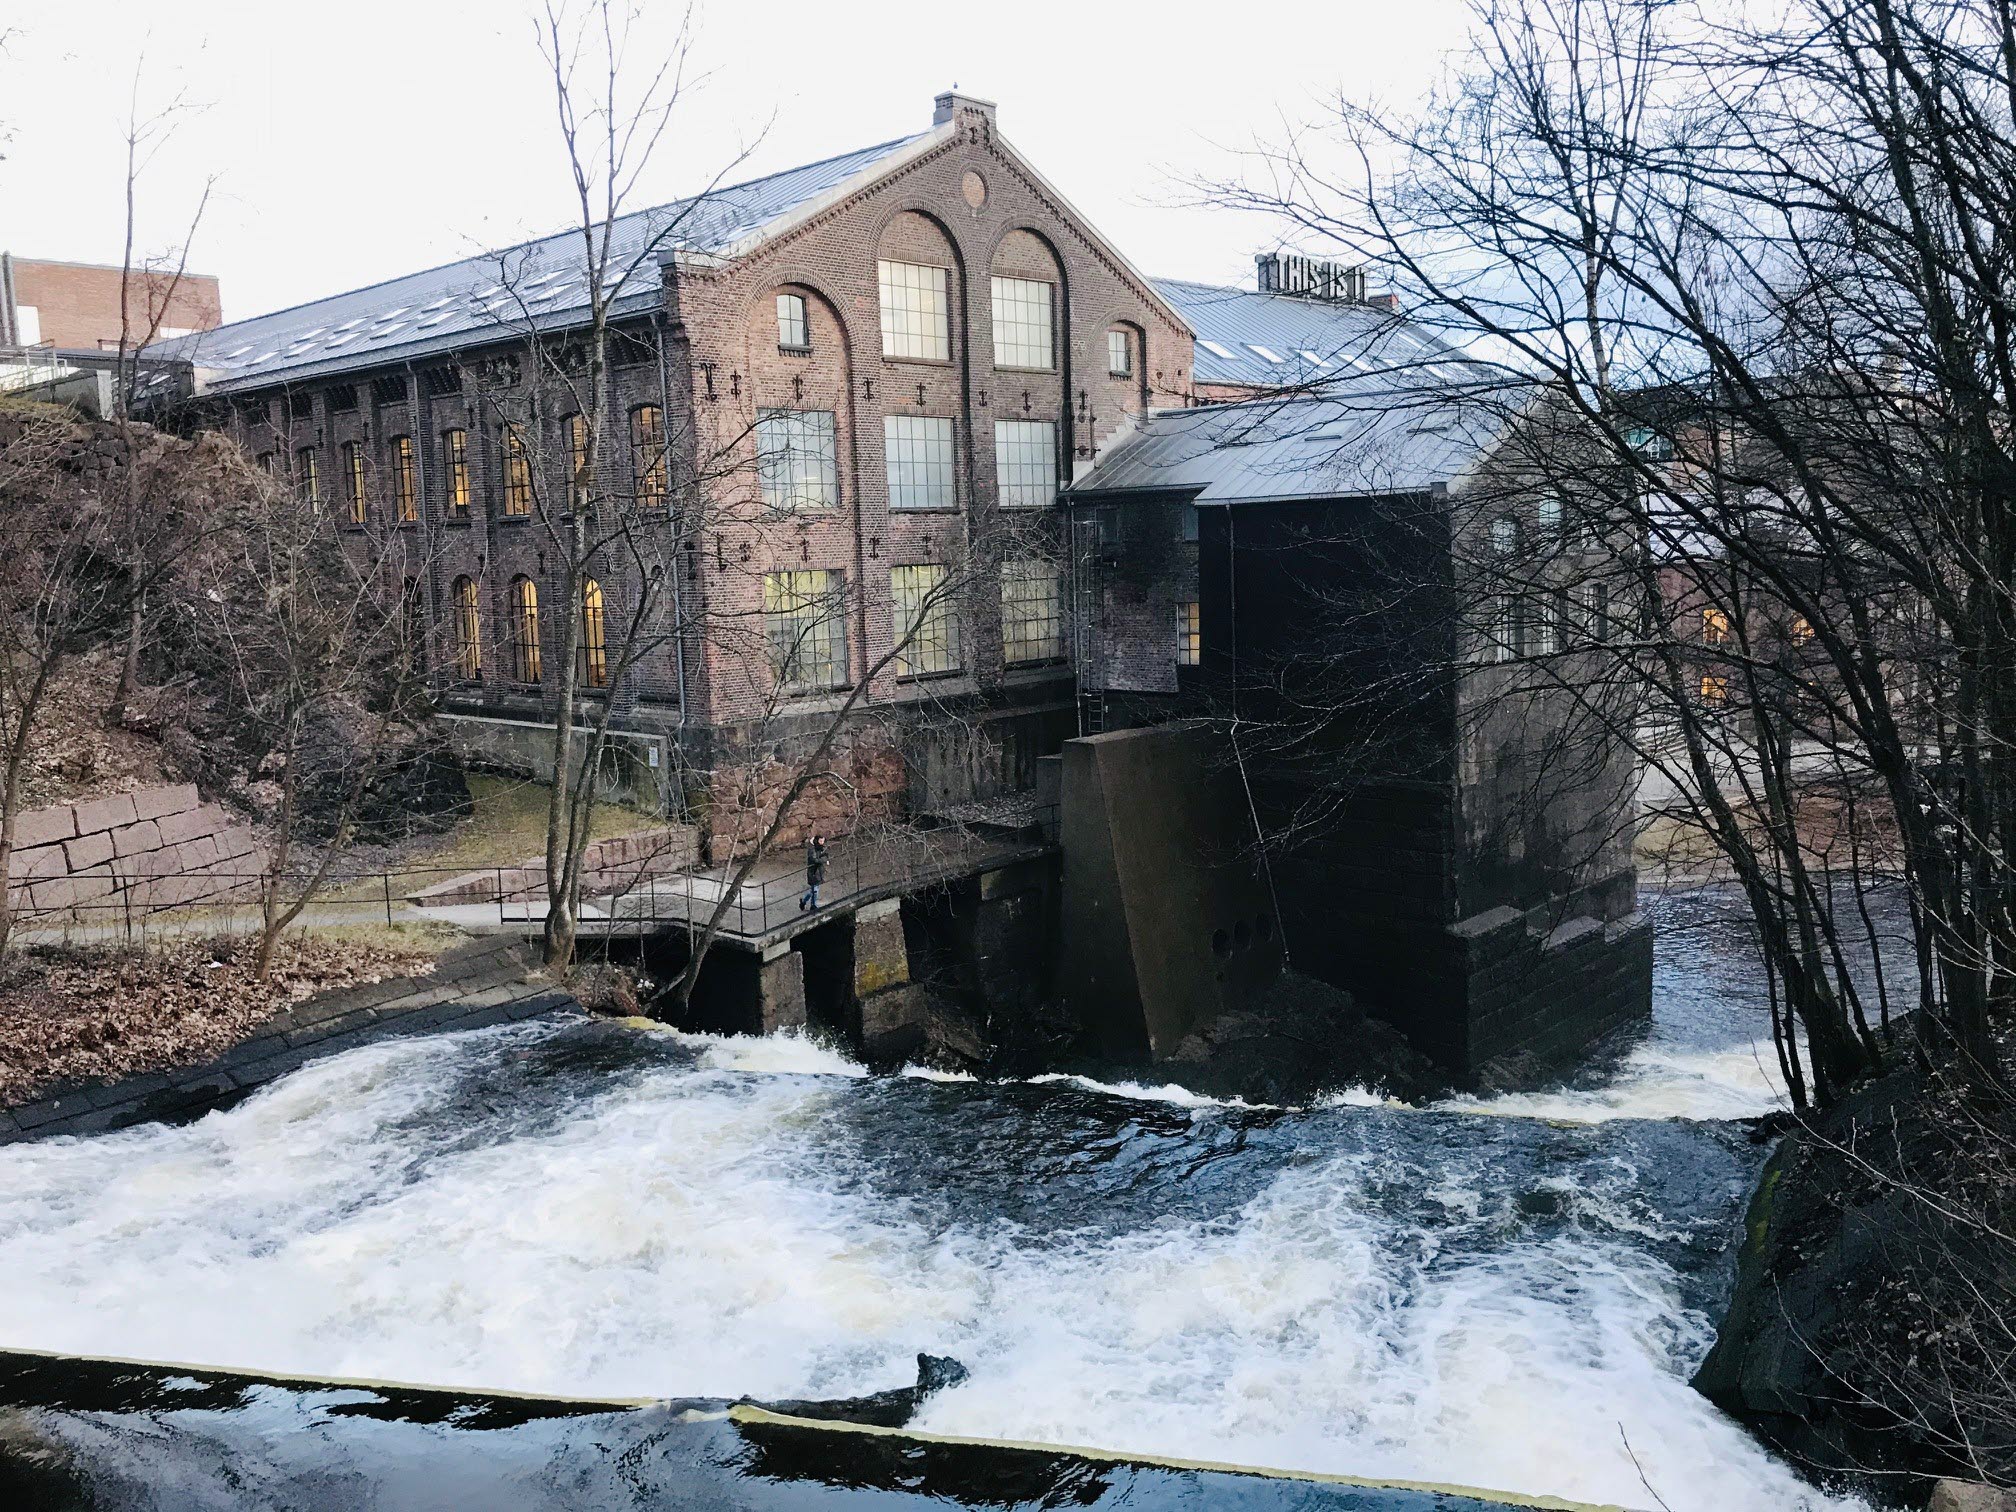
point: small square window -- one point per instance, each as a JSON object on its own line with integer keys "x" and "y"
{"x": 1119, "y": 354}
{"x": 793, "y": 333}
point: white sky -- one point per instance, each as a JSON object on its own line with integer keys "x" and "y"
{"x": 369, "y": 138}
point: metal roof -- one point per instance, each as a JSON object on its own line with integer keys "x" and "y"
{"x": 496, "y": 294}
{"x": 1283, "y": 341}
{"x": 1372, "y": 436}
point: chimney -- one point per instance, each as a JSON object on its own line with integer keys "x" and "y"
{"x": 952, "y": 103}
{"x": 1308, "y": 278}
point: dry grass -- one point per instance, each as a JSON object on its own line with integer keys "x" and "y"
{"x": 99, "y": 1014}
{"x": 507, "y": 826}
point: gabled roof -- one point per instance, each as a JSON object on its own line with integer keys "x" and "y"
{"x": 1357, "y": 438}
{"x": 465, "y": 302}
{"x": 1284, "y": 341}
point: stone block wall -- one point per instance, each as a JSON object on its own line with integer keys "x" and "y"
{"x": 108, "y": 858}
{"x": 1538, "y": 998}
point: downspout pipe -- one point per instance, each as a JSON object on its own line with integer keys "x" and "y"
{"x": 665, "y": 440}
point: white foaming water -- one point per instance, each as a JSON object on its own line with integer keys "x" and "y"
{"x": 790, "y": 1052}
{"x": 1169, "y": 1092}
{"x": 690, "y": 1230}
{"x": 1657, "y": 1080}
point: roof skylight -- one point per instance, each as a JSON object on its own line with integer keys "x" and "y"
{"x": 1218, "y": 351}
{"x": 1266, "y": 352}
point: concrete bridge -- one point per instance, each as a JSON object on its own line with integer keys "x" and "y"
{"x": 965, "y": 899}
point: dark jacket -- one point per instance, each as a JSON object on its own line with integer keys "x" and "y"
{"x": 815, "y": 862}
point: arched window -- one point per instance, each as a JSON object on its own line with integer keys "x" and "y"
{"x": 307, "y": 475}
{"x": 405, "y": 500}
{"x": 517, "y": 473}
{"x": 524, "y": 630}
{"x": 468, "y": 631}
{"x": 594, "y": 637}
{"x": 455, "y": 469}
{"x": 647, "y": 450}
{"x": 354, "y": 494}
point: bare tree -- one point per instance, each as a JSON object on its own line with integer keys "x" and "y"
{"x": 614, "y": 530}
{"x": 149, "y": 287}
{"x": 313, "y": 631}
{"x": 1762, "y": 266}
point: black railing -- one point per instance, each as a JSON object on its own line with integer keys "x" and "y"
{"x": 640, "y": 896}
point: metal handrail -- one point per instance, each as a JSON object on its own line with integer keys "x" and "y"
{"x": 862, "y": 867}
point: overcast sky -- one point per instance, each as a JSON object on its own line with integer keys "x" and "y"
{"x": 357, "y": 141}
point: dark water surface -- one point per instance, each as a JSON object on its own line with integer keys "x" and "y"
{"x": 1447, "y": 1295}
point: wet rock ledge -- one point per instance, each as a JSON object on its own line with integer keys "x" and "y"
{"x": 1872, "y": 1329}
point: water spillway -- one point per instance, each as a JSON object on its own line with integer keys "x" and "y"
{"x": 584, "y": 1209}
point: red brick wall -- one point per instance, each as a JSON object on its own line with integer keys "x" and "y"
{"x": 920, "y": 214}
{"x": 722, "y": 362}
{"x": 78, "y": 304}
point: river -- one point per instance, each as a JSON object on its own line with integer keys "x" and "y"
{"x": 1478, "y": 1292}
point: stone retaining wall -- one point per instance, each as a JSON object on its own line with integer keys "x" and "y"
{"x": 134, "y": 853}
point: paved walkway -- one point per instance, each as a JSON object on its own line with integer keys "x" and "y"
{"x": 223, "y": 920}
{"x": 473, "y": 986}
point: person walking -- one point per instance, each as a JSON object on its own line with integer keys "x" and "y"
{"x": 815, "y": 873}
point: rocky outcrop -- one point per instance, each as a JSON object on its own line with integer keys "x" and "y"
{"x": 881, "y": 1409}
{"x": 1296, "y": 1040}
{"x": 1873, "y": 1321}
{"x": 1969, "y": 1496}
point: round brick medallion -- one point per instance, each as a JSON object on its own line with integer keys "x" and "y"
{"x": 974, "y": 188}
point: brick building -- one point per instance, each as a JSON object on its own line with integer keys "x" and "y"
{"x": 75, "y": 307}
{"x": 1373, "y": 580}
{"x": 854, "y": 388}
